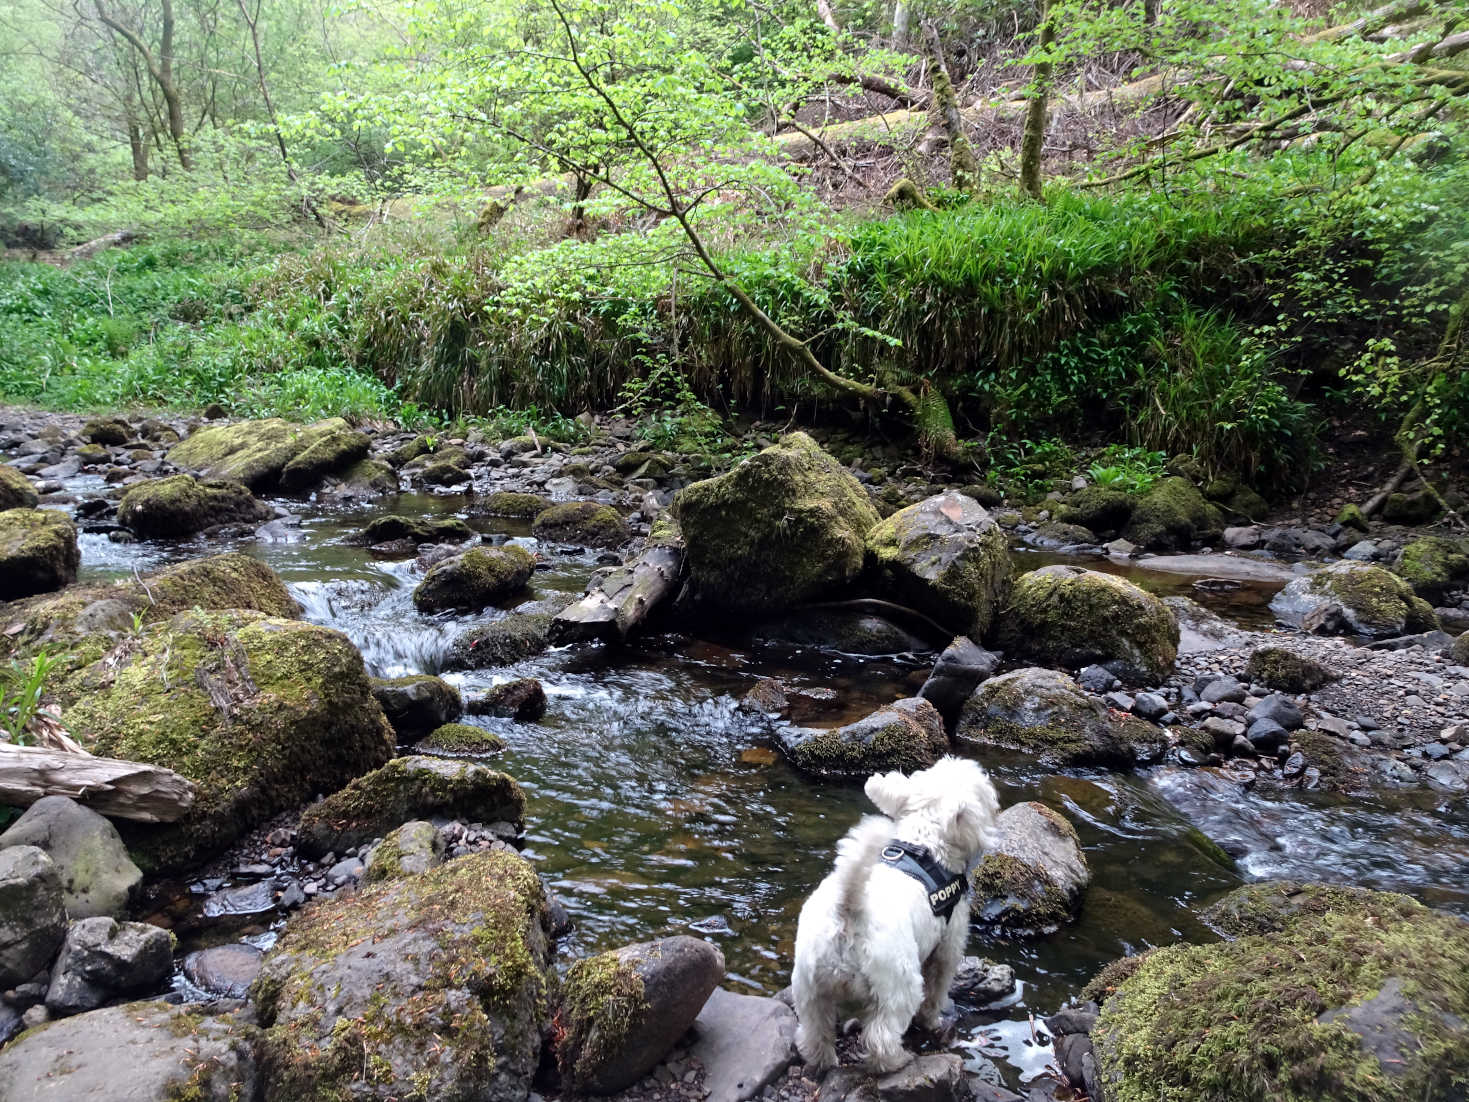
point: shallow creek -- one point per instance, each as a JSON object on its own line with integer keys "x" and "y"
{"x": 645, "y": 821}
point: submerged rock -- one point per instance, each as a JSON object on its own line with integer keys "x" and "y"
{"x": 97, "y": 876}
{"x": 181, "y": 506}
{"x": 1073, "y": 617}
{"x": 432, "y": 986}
{"x": 784, "y": 527}
{"x": 624, "y": 1009}
{"x": 1361, "y": 999}
{"x": 907, "y": 734}
{"x": 1044, "y": 714}
{"x": 408, "y": 788}
{"x": 843, "y": 630}
{"x": 470, "y": 581}
{"x": 38, "y": 552}
{"x": 257, "y": 453}
{"x": 1353, "y": 598}
{"x": 946, "y": 557}
{"x": 1032, "y": 878}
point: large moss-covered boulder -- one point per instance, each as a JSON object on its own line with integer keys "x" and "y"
{"x": 1032, "y": 877}
{"x": 473, "y": 580}
{"x": 391, "y": 529}
{"x": 1072, "y": 617}
{"x": 1269, "y": 906}
{"x": 1353, "y": 598}
{"x": 16, "y": 491}
{"x": 257, "y": 453}
{"x": 509, "y": 503}
{"x": 181, "y": 506}
{"x": 945, "y": 556}
{"x": 424, "y": 987}
{"x": 623, "y": 1010}
{"x": 38, "y": 552}
{"x": 260, "y": 713}
{"x": 1365, "y": 1000}
{"x": 107, "y": 431}
{"x": 786, "y": 526}
{"x": 1097, "y": 508}
{"x": 408, "y": 788}
{"x": 907, "y": 734}
{"x": 1433, "y": 566}
{"x": 140, "y": 1052}
{"x": 1171, "y": 516}
{"x": 1044, "y": 715}
{"x": 581, "y": 522}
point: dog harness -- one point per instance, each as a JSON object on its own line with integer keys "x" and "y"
{"x": 944, "y": 888}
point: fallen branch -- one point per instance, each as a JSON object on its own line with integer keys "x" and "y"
{"x": 620, "y": 601}
{"x": 119, "y": 789}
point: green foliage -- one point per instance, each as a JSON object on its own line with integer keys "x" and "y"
{"x": 22, "y": 694}
{"x": 1129, "y": 469}
{"x": 667, "y": 412}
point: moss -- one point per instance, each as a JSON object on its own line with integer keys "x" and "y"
{"x": 404, "y": 789}
{"x": 370, "y": 476}
{"x": 641, "y": 465}
{"x": 16, "y": 491}
{"x": 1460, "y": 650}
{"x": 665, "y": 532}
{"x": 1271, "y": 906}
{"x": 1419, "y": 508}
{"x": 1351, "y": 517}
{"x": 472, "y": 580}
{"x": 253, "y": 452}
{"x": 1073, "y": 617}
{"x": 507, "y": 503}
{"x": 1380, "y": 602}
{"x": 93, "y": 454}
{"x": 416, "y": 529}
{"x": 330, "y": 450}
{"x": 1112, "y": 976}
{"x": 1170, "y": 516}
{"x": 259, "y": 713}
{"x": 501, "y": 643}
{"x": 581, "y": 522}
{"x": 106, "y": 430}
{"x": 1249, "y": 1019}
{"x": 1287, "y": 672}
{"x": 1097, "y": 508}
{"x": 602, "y": 999}
{"x": 462, "y": 738}
{"x": 407, "y": 452}
{"x": 1013, "y": 894}
{"x": 888, "y": 739}
{"x": 443, "y": 474}
{"x": 38, "y": 552}
{"x": 1339, "y": 766}
{"x": 410, "y": 850}
{"x": 181, "y": 506}
{"x": 1433, "y": 566}
{"x": 456, "y": 1013}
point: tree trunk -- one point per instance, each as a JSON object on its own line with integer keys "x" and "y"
{"x": 823, "y": 9}
{"x": 1032, "y": 143}
{"x": 964, "y": 167}
{"x": 620, "y": 601}
{"x": 138, "y": 143}
{"x": 119, "y": 789}
{"x": 902, "y": 16}
{"x": 160, "y": 70}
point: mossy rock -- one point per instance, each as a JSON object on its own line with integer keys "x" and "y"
{"x": 1354, "y": 598}
{"x": 420, "y": 989}
{"x": 500, "y": 643}
{"x": 1072, "y": 617}
{"x": 1033, "y": 875}
{"x": 1416, "y": 508}
{"x": 907, "y": 735}
{"x": 1097, "y": 508}
{"x": 38, "y": 552}
{"x": 581, "y": 522}
{"x": 258, "y": 452}
{"x": 622, "y": 1011}
{"x": 417, "y": 703}
{"x": 369, "y": 477}
{"x": 946, "y": 557}
{"x": 415, "y": 787}
{"x": 1171, "y": 516}
{"x": 462, "y": 738}
{"x": 181, "y": 506}
{"x": 416, "y": 530}
{"x": 1433, "y": 566}
{"x": 259, "y": 713}
{"x": 1287, "y": 672}
{"x": 93, "y": 454}
{"x": 332, "y": 450}
{"x": 784, "y": 527}
{"x": 1351, "y": 517}
{"x": 408, "y": 451}
{"x": 641, "y": 465}
{"x": 1460, "y": 650}
{"x": 85, "y": 622}
{"x": 508, "y": 503}
{"x": 443, "y": 473}
{"x": 16, "y": 491}
{"x": 1340, "y": 766}
{"x": 106, "y": 431}
{"x": 474, "y": 579}
{"x": 1045, "y": 715}
{"x": 410, "y": 850}
{"x": 1271, "y": 906}
{"x": 1369, "y": 1003}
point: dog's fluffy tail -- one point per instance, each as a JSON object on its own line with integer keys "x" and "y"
{"x": 856, "y": 854}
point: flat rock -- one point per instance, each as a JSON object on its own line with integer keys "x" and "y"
{"x": 225, "y": 970}
{"x": 744, "y": 1043}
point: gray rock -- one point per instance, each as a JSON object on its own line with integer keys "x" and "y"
{"x": 1150, "y": 706}
{"x": 1279, "y": 709}
{"x": 979, "y": 982}
{"x": 744, "y": 1043}
{"x": 97, "y": 876}
{"x": 102, "y": 958}
{"x": 1222, "y": 689}
{"x": 1267, "y": 736}
{"x": 1032, "y": 878}
{"x": 1223, "y": 730}
{"x": 1243, "y": 537}
{"x": 1448, "y": 776}
{"x": 413, "y": 848}
{"x": 142, "y": 1052}
{"x": 417, "y": 704}
{"x": 1097, "y": 679}
{"x": 956, "y": 674}
{"x": 33, "y": 920}
{"x": 1353, "y": 598}
{"x": 225, "y": 970}
{"x": 907, "y": 734}
{"x": 1362, "y": 551}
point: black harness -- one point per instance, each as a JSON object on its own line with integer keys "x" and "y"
{"x": 944, "y": 888}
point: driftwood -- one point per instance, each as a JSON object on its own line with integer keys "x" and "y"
{"x": 619, "y": 602}
{"x": 120, "y": 789}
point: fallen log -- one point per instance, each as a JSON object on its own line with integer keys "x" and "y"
{"x": 620, "y": 601}
{"x": 119, "y": 789}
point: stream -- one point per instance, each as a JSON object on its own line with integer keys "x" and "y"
{"x": 644, "y": 819}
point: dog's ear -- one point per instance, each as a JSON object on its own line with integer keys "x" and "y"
{"x": 889, "y": 791}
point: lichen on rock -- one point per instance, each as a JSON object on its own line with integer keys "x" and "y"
{"x": 1353, "y": 598}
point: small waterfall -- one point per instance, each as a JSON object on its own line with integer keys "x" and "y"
{"x": 379, "y": 617}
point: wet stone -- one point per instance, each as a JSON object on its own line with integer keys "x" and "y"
{"x": 243, "y": 901}
{"x": 225, "y": 971}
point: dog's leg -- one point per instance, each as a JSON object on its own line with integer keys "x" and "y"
{"x": 897, "y": 991}
{"x": 816, "y": 1027}
{"x": 939, "y": 970}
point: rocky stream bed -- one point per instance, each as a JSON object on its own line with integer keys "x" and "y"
{"x": 333, "y": 633}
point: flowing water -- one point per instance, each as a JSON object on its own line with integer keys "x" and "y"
{"x": 646, "y": 821}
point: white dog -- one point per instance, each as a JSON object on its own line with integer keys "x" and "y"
{"x": 887, "y": 928}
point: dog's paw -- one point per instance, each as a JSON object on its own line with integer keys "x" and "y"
{"x": 944, "y": 1025}
{"x": 881, "y": 1063}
